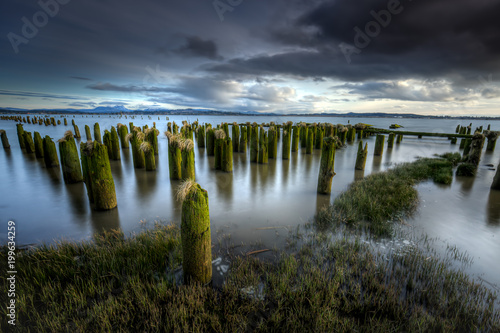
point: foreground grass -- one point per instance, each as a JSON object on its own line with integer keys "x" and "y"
{"x": 118, "y": 284}
{"x": 380, "y": 198}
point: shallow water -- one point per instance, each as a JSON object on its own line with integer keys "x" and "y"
{"x": 256, "y": 203}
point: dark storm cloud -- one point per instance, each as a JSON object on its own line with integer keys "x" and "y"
{"x": 195, "y": 46}
{"x": 80, "y": 78}
{"x": 35, "y": 94}
{"x": 425, "y": 39}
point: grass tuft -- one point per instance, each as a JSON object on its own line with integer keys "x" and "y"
{"x": 184, "y": 188}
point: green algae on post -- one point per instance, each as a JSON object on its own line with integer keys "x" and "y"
{"x": 97, "y": 133}
{"x": 379, "y": 145}
{"x": 361, "y": 157}
{"x": 136, "y": 137}
{"x": 236, "y": 137}
{"x": 285, "y": 154}
{"x": 115, "y": 145}
{"x": 149, "y": 155}
{"x": 20, "y": 135}
{"x": 492, "y": 139}
{"x": 152, "y": 137}
{"x": 50, "y": 153}
{"x": 319, "y": 137}
{"x": 475, "y": 148}
{"x": 390, "y": 141}
{"x": 295, "y": 138}
{"x": 327, "y": 166}
{"x": 174, "y": 156}
{"x": 263, "y": 146}
{"x": 254, "y": 143}
{"x": 5, "y": 140}
{"x": 187, "y": 160}
{"x": 87, "y": 133}
{"x": 310, "y": 140}
{"x": 70, "y": 162}
{"x": 123, "y": 131}
{"x": 28, "y": 143}
{"x": 76, "y": 130}
{"x": 195, "y": 233}
{"x": 201, "y": 136}
{"x": 220, "y": 135}
{"x": 227, "y": 155}
{"x": 243, "y": 139}
{"x": 99, "y": 176}
{"x": 210, "y": 141}
{"x": 496, "y": 180}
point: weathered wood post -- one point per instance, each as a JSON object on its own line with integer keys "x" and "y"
{"x": 236, "y": 137}
{"x": 492, "y": 140}
{"x": 243, "y": 139}
{"x": 97, "y": 133}
{"x": 187, "y": 160}
{"x": 123, "y": 131}
{"x": 310, "y": 139}
{"x": 115, "y": 144}
{"x": 136, "y": 137}
{"x": 174, "y": 156}
{"x": 227, "y": 155}
{"x": 390, "y": 141}
{"x": 149, "y": 155}
{"x": 295, "y": 138}
{"x": 263, "y": 147}
{"x": 28, "y": 142}
{"x": 361, "y": 157}
{"x": 496, "y": 180}
{"x": 210, "y": 142}
{"x": 5, "y": 140}
{"x": 20, "y": 135}
{"x": 220, "y": 135}
{"x": 201, "y": 136}
{"x": 195, "y": 233}
{"x": 327, "y": 166}
{"x": 70, "y": 162}
{"x": 151, "y": 136}
{"x": 97, "y": 175}
{"x": 254, "y": 143}
{"x": 49, "y": 153}
{"x": 87, "y": 133}
{"x": 285, "y": 154}
{"x": 379, "y": 145}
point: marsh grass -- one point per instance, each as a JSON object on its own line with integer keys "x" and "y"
{"x": 377, "y": 200}
{"x": 324, "y": 285}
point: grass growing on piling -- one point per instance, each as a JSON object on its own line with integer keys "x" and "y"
{"x": 380, "y": 198}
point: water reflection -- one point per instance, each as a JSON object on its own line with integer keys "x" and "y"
{"x": 254, "y": 171}
{"x": 493, "y": 208}
{"x": 145, "y": 185}
{"x": 224, "y": 186}
{"x": 78, "y": 200}
{"x": 105, "y": 220}
{"x": 176, "y": 205}
{"x": 466, "y": 184}
{"x": 377, "y": 162}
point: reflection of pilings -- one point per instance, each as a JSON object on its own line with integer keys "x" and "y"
{"x": 493, "y": 208}
{"x": 377, "y": 162}
{"x": 76, "y": 193}
{"x": 105, "y": 221}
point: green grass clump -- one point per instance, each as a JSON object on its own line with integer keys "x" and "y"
{"x": 380, "y": 198}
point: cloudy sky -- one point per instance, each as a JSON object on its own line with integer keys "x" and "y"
{"x": 439, "y": 57}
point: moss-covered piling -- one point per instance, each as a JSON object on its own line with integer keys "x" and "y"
{"x": 115, "y": 145}
{"x": 195, "y": 234}
{"x": 390, "y": 141}
{"x": 496, "y": 180}
{"x": 200, "y": 137}
{"x": 77, "y": 131}
{"x": 70, "y": 162}
{"x": 379, "y": 145}
{"x": 123, "y": 131}
{"x": 263, "y": 147}
{"x": 152, "y": 137}
{"x": 5, "y": 139}
{"x": 327, "y": 166}
{"x": 187, "y": 160}
{"x": 210, "y": 141}
{"x": 227, "y": 155}
{"x": 149, "y": 155}
{"x": 136, "y": 137}
{"x": 50, "y": 153}
{"x": 310, "y": 140}
{"x": 272, "y": 142}
{"x": 399, "y": 138}
{"x": 174, "y": 156}
{"x": 492, "y": 139}
{"x": 220, "y": 135}
{"x": 97, "y": 133}
{"x": 254, "y": 144}
{"x": 20, "y": 135}
{"x": 243, "y": 139}
{"x": 361, "y": 157}
{"x": 97, "y": 175}
{"x": 37, "y": 138}
{"x": 285, "y": 154}
{"x": 28, "y": 142}
{"x": 295, "y": 138}
{"x": 236, "y": 137}
{"x": 87, "y": 133}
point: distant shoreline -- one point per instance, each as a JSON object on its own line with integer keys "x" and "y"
{"x": 224, "y": 113}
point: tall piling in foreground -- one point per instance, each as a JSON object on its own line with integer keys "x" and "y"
{"x": 70, "y": 163}
{"x": 390, "y": 141}
{"x": 187, "y": 160}
{"x": 28, "y": 143}
{"x": 379, "y": 145}
{"x": 136, "y": 137}
{"x": 5, "y": 140}
{"x": 361, "y": 157}
{"x": 496, "y": 180}
{"x": 123, "y": 131}
{"x": 254, "y": 144}
{"x": 20, "y": 135}
{"x": 97, "y": 175}
{"x": 115, "y": 145}
{"x": 227, "y": 155}
{"x": 210, "y": 141}
{"x": 236, "y": 137}
{"x": 195, "y": 233}
{"x": 149, "y": 155}
{"x": 263, "y": 147}
{"x": 174, "y": 156}
{"x": 295, "y": 138}
{"x": 243, "y": 139}
{"x": 327, "y": 166}
{"x": 97, "y": 133}
{"x": 50, "y": 153}
{"x": 87, "y": 133}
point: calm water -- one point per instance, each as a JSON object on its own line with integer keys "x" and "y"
{"x": 246, "y": 203}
